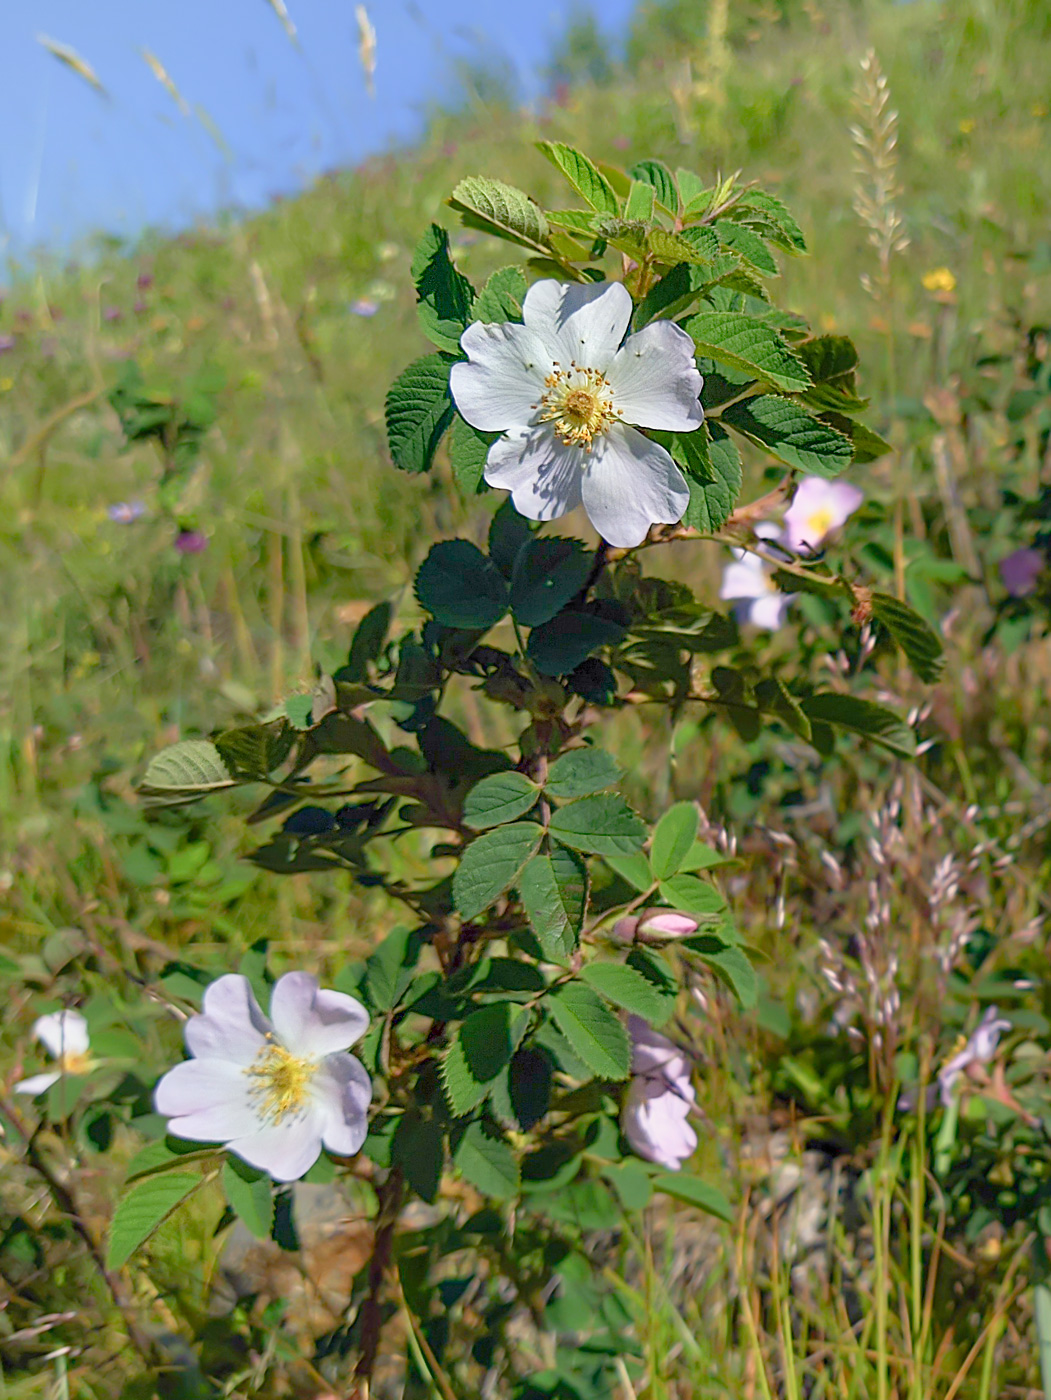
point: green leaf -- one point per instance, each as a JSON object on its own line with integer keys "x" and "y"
{"x": 792, "y": 434}
{"x": 741, "y": 240}
{"x": 418, "y": 1148}
{"x": 299, "y": 711}
{"x": 579, "y": 773}
{"x": 692, "y": 896}
{"x": 677, "y": 248}
{"x": 631, "y": 1181}
{"x": 367, "y": 643}
{"x": 604, "y": 825}
{"x": 582, "y": 174}
{"x": 865, "y": 717}
{"x": 486, "y": 1161}
{"x": 640, "y": 202}
{"x": 624, "y": 986}
{"x": 501, "y": 298}
{"x": 502, "y": 210}
{"x": 250, "y": 1195}
{"x": 444, "y": 295}
{"x": 183, "y": 772}
{"x": 694, "y": 1192}
{"x": 592, "y": 1029}
{"x": 143, "y": 1210}
{"x": 553, "y": 890}
{"x": 547, "y": 575}
{"x": 559, "y": 646}
{"x": 650, "y": 965}
{"x": 734, "y": 339}
{"x": 657, "y": 174}
{"x": 460, "y": 586}
{"x": 673, "y": 839}
{"x": 492, "y": 864}
{"x": 918, "y": 640}
{"x": 529, "y": 1086}
{"x": 731, "y": 966}
{"x": 509, "y": 532}
{"x": 774, "y": 697}
{"x": 418, "y": 411}
{"x": 479, "y": 1050}
{"x": 713, "y": 472}
{"x": 390, "y": 967}
{"x": 468, "y": 452}
{"x": 501, "y": 797}
{"x": 792, "y": 239}
{"x": 252, "y": 751}
{"x": 634, "y": 870}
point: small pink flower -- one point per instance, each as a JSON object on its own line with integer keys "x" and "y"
{"x": 191, "y": 542}
{"x": 364, "y": 307}
{"x": 818, "y": 509}
{"x": 978, "y": 1050}
{"x": 660, "y": 1098}
{"x": 1021, "y": 570}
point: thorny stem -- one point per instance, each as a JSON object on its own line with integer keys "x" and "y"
{"x": 389, "y": 1199}
{"x": 66, "y": 1202}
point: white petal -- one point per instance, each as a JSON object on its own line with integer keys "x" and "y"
{"x": 769, "y": 612}
{"x": 285, "y": 1150}
{"x": 62, "y": 1033}
{"x": 311, "y": 1022}
{"x": 746, "y": 578}
{"x": 232, "y": 1027}
{"x": 502, "y": 381}
{"x": 343, "y": 1090}
{"x": 631, "y": 483}
{"x": 654, "y": 379}
{"x": 207, "y": 1100}
{"x": 37, "y": 1083}
{"x": 579, "y": 322}
{"x": 656, "y": 1125}
{"x": 542, "y": 473}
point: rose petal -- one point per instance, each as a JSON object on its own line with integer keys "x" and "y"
{"x": 746, "y": 578}
{"x": 818, "y": 508}
{"x": 207, "y": 1100}
{"x": 543, "y": 474}
{"x": 654, "y": 379}
{"x": 62, "y": 1033}
{"x": 232, "y": 1027}
{"x": 285, "y": 1150}
{"x": 37, "y": 1083}
{"x": 769, "y": 613}
{"x": 656, "y": 1126}
{"x": 581, "y": 323}
{"x": 502, "y": 381}
{"x": 631, "y": 483}
{"x": 311, "y": 1022}
{"x": 343, "y": 1090}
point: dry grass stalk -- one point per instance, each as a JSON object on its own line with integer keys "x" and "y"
{"x": 876, "y": 188}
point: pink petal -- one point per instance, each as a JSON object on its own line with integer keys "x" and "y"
{"x": 343, "y": 1091}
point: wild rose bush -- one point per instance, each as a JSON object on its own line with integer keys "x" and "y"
{"x": 525, "y": 1029}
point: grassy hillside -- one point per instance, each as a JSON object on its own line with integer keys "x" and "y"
{"x": 116, "y": 643}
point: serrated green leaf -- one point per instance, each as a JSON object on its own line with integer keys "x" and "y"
{"x": 918, "y": 640}
{"x": 676, "y": 248}
{"x": 865, "y": 717}
{"x": 582, "y": 174}
{"x": 183, "y": 772}
{"x": 553, "y": 889}
{"x": 627, "y": 988}
{"x": 468, "y": 452}
{"x": 731, "y": 966}
{"x": 791, "y": 434}
{"x": 501, "y": 797}
{"x": 250, "y": 1195}
{"x": 143, "y": 1210}
{"x": 460, "y": 586}
{"x": 367, "y": 643}
{"x": 772, "y": 696}
{"x": 634, "y": 869}
{"x": 443, "y": 294}
{"x": 655, "y": 969}
{"x": 480, "y": 1048}
{"x": 299, "y": 711}
{"x": 673, "y": 839}
{"x": 501, "y": 210}
{"x": 491, "y": 864}
{"x": 488, "y": 1163}
{"x": 776, "y": 213}
{"x": 640, "y": 202}
{"x": 692, "y": 896}
{"x": 740, "y": 239}
{"x": 694, "y": 1192}
{"x": 712, "y": 465}
{"x": 559, "y": 646}
{"x": 253, "y": 751}
{"x": 548, "y": 574}
{"x": 418, "y": 411}
{"x": 603, "y": 825}
{"x": 501, "y": 298}
{"x": 579, "y": 773}
{"x": 737, "y": 340}
{"x": 418, "y": 1148}
{"x": 656, "y": 174}
{"x": 592, "y": 1029}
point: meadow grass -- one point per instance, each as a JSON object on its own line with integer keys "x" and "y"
{"x": 116, "y": 644}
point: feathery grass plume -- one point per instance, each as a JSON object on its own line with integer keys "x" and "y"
{"x": 73, "y": 60}
{"x": 279, "y": 8}
{"x": 162, "y": 75}
{"x": 875, "y": 137}
{"x": 366, "y": 47}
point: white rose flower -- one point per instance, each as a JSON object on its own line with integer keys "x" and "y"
{"x": 562, "y": 389}
{"x": 64, "y": 1034}
{"x": 660, "y": 1099}
{"x": 273, "y": 1090}
{"x": 748, "y": 583}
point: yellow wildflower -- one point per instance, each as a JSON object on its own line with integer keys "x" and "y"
{"x": 939, "y": 279}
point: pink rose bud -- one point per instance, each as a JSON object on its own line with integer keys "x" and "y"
{"x": 624, "y": 929}
{"x": 660, "y": 925}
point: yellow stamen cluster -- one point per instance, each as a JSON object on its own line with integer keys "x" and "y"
{"x": 75, "y": 1062}
{"x": 818, "y": 524}
{"x": 579, "y": 403}
{"x": 281, "y": 1081}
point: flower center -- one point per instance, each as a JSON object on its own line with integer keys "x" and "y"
{"x": 578, "y": 403}
{"x": 819, "y": 523}
{"x": 75, "y": 1062}
{"x": 281, "y": 1081}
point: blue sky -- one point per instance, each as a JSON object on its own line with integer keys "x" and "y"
{"x": 74, "y": 161}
